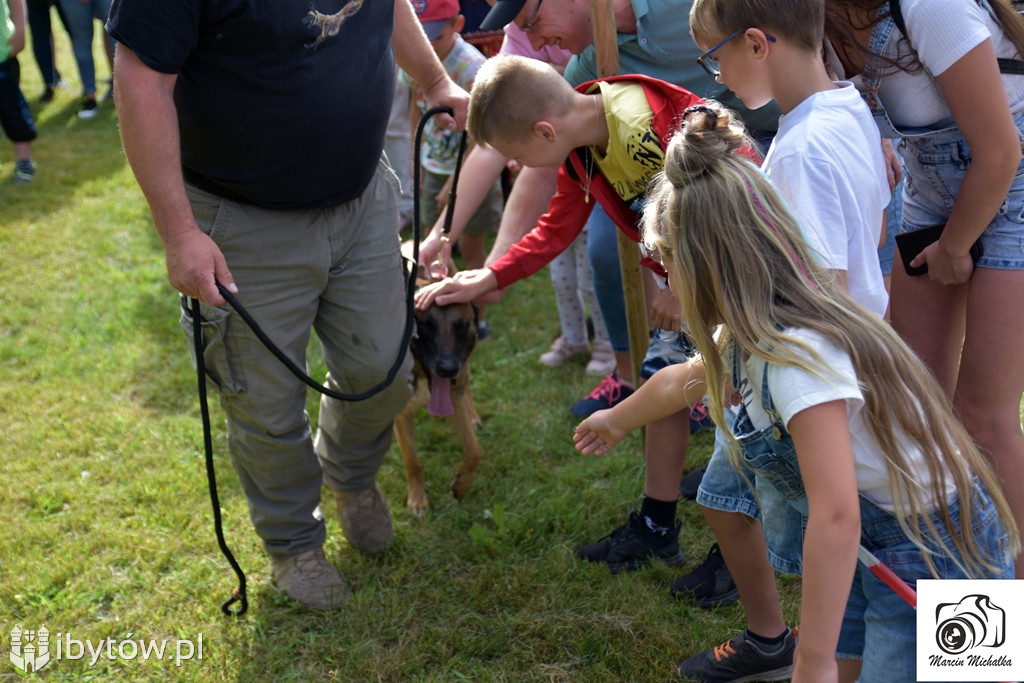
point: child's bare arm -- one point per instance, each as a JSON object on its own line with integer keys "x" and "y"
{"x": 669, "y": 391}
{"x": 821, "y": 436}
{"x": 17, "y": 38}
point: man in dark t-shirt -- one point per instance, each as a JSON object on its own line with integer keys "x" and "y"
{"x": 255, "y": 129}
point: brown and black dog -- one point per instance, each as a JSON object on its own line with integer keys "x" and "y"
{"x": 445, "y": 336}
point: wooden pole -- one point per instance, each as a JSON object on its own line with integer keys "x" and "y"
{"x": 606, "y": 46}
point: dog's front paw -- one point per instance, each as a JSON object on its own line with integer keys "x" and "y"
{"x": 461, "y": 484}
{"x": 417, "y": 502}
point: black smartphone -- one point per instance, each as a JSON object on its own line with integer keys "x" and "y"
{"x": 910, "y": 244}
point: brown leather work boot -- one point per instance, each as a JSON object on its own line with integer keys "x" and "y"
{"x": 309, "y": 578}
{"x": 365, "y": 519}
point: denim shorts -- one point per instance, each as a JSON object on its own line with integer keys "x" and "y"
{"x": 724, "y": 487}
{"x": 878, "y": 626}
{"x": 935, "y": 167}
{"x": 728, "y": 489}
{"x": 666, "y": 348}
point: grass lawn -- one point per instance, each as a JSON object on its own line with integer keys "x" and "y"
{"x": 107, "y": 522}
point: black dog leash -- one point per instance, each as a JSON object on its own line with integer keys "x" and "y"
{"x": 446, "y": 228}
{"x": 238, "y": 594}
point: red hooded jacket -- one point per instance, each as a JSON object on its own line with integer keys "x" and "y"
{"x": 567, "y": 213}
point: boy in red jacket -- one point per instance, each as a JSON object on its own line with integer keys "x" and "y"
{"x": 607, "y": 140}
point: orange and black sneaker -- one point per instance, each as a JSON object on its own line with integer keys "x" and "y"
{"x": 742, "y": 659}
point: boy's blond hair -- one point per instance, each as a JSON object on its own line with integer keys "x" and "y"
{"x": 801, "y": 22}
{"x": 511, "y": 94}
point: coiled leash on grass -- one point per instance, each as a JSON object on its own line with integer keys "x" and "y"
{"x": 238, "y": 594}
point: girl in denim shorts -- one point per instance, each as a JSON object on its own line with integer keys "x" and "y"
{"x": 933, "y": 78}
{"x": 845, "y": 425}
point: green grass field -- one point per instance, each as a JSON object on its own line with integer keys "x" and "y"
{"x": 107, "y": 526}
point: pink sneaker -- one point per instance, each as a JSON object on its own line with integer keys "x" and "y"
{"x": 562, "y": 351}
{"x": 602, "y": 359}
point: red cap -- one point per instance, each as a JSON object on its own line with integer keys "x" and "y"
{"x": 434, "y": 14}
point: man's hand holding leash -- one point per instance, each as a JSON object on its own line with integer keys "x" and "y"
{"x": 195, "y": 265}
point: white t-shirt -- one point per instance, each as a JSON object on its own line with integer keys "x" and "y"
{"x": 942, "y": 31}
{"x": 826, "y": 162}
{"x": 794, "y": 390}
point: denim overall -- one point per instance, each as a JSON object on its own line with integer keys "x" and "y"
{"x": 935, "y": 163}
{"x": 877, "y": 621}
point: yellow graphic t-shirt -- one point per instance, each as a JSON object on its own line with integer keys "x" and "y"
{"x": 634, "y": 154}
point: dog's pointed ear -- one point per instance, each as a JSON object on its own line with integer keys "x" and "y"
{"x": 421, "y": 271}
{"x": 476, "y": 314}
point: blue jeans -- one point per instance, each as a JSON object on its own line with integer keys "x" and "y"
{"x": 79, "y": 16}
{"x": 41, "y": 26}
{"x": 603, "y": 250}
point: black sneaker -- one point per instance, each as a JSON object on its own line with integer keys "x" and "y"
{"x": 739, "y": 660}
{"x": 88, "y": 109}
{"x": 632, "y": 545}
{"x": 709, "y": 585}
{"x": 689, "y": 484}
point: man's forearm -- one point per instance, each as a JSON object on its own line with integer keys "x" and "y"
{"x": 412, "y": 49}
{"x": 149, "y": 132}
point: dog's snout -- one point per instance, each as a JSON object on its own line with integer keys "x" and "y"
{"x": 448, "y": 367}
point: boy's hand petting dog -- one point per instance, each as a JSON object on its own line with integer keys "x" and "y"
{"x": 597, "y": 434}
{"x": 467, "y": 285}
{"x": 665, "y": 311}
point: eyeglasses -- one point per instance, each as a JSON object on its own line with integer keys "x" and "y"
{"x": 530, "y": 25}
{"x": 710, "y": 64}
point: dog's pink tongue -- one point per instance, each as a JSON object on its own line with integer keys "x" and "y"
{"x": 440, "y": 403}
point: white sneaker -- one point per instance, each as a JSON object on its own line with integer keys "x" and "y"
{"x": 562, "y": 351}
{"x": 602, "y": 359}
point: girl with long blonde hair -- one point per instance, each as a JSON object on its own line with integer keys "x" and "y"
{"x": 835, "y": 413}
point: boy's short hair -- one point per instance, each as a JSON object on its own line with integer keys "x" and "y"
{"x": 801, "y": 22}
{"x": 511, "y": 94}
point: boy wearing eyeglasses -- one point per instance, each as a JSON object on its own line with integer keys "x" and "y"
{"x": 826, "y": 161}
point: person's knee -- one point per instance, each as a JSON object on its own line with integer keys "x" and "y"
{"x": 726, "y": 523}
{"x": 988, "y": 424}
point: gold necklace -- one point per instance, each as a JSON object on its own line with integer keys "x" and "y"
{"x": 593, "y": 151}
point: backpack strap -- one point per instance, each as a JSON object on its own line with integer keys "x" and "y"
{"x": 1007, "y": 66}
{"x": 897, "y": 16}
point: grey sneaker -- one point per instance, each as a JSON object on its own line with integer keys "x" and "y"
{"x": 365, "y": 519}
{"x": 739, "y": 660}
{"x": 24, "y": 171}
{"x": 309, "y": 578}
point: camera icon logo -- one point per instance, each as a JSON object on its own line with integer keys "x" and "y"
{"x": 972, "y": 622}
